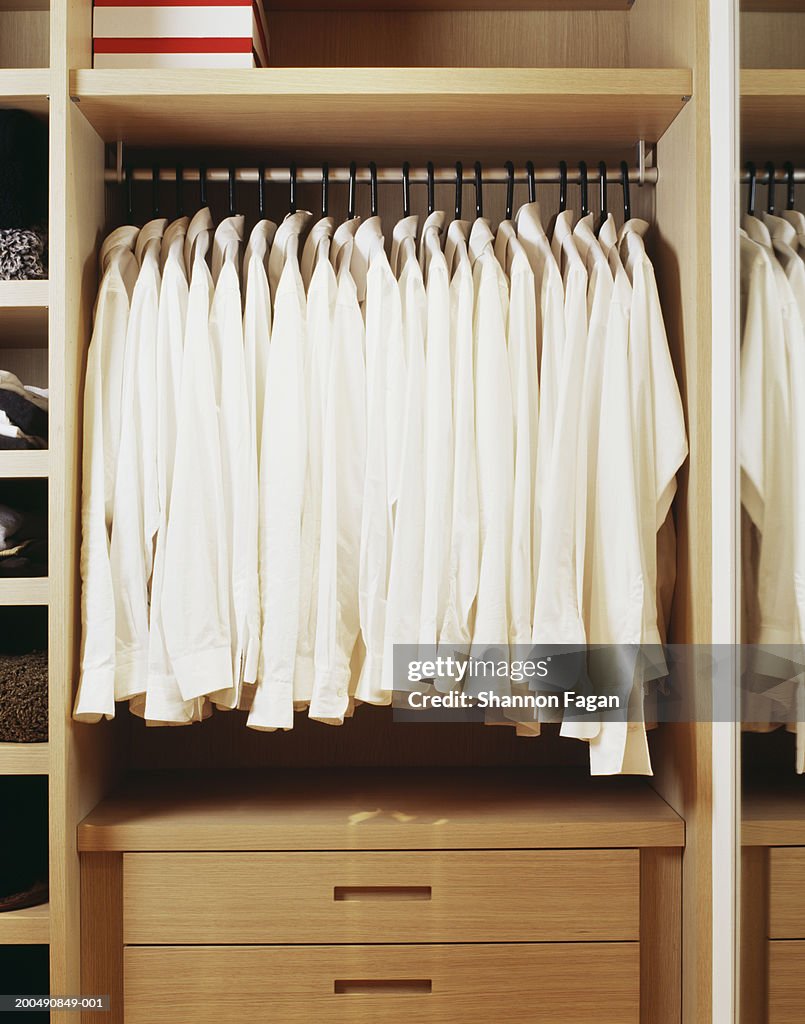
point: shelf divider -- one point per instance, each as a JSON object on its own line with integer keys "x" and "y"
{"x": 24, "y": 758}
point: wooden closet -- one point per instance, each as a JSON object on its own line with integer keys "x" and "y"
{"x": 440, "y": 80}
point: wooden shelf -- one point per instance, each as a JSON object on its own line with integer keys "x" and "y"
{"x": 772, "y": 106}
{"x": 774, "y": 6}
{"x": 449, "y": 5}
{"x": 24, "y": 591}
{"x": 24, "y": 5}
{"x": 29, "y": 927}
{"x": 380, "y": 810}
{"x": 23, "y": 314}
{"x": 24, "y": 759}
{"x": 352, "y": 113}
{"x": 26, "y": 88}
{"x": 24, "y": 465}
{"x": 774, "y": 815}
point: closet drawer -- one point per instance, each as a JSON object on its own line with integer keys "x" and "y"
{"x": 448, "y": 896}
{"x": 475, "y": 984}
{"x": 786, "y": 982}
{"x": 787, "y": 892}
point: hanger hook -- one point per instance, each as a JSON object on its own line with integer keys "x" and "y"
{"x": 202, "y": 185}
{"x": 155, "y": 190}
{"x": 583, "y": 187}
{"x": 562, "y": 186}
{"x": 261, "y": 191}
{"x": 406, "y": 182}
{"x": 509, "y": 190}
{"x": 373, "y": 188}
{"x": 231, "y": 192}
{"x": 532, "y": 181}
{"x": 353, "y": 174}
{"x": 431, "y": 188}
{"x": 479, "y": 190}
{"x": 790, "y": 200}
{"x": 772, "y": 174}
{"x": 602, "y": 186}
{"x": 179, "y": 190}
{"x": 325, "y": 189}
{"x": 459, "y": 188}
{"x": 292, "y": 189}
{"x": 627, "y": 197}
{"x": 751, "y": 202}
{"x": 129, "y": 195}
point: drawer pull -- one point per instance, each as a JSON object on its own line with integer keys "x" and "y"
{"x": 377, "y": 893}
{"x": 384, "y": 986}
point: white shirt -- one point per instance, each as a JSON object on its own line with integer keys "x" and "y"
{"x": 195, "y": 596}
{"x": 343, "y": 475}
{"x": 282, "y": 478}
{"x": 136, "y": 503}
{"x": 494, "y": 432}
{"x": 102, "y": 402}
{"x": 383, "y": 317}
{"x": 439, "y": 444}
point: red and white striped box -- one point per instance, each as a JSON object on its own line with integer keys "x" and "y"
{"x": 180, "y": 34}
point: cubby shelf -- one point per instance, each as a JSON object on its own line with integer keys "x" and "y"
{"x": 24, "y": 758}
{"x": 24, "y": 465}
{"x": 24, "y": 591}
{"x": 352, "y": 112}
{"x": 25, "y": 88}
{"x": 29, "y": 927}
{"x": 772, "y": 100}
{"x": 772, "y": 6}
{"x": 454, "y": 5}
{"x": 23, "y": 313}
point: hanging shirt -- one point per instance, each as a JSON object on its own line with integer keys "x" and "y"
{"x": 282, "y": 479}
{"x": 522, "y": 348}
{"x": 383, "y": 317}
{"x": 343, "y": 475}
{"x": 464, "y": 559}
{"x": 494, "y": 430}
{"x": 102, "y": 404}
{"x": 319, "y": 279}
{"x": 404, "y": 599}
{"x": 163, "y": 701}
{"x": 196, "y": 591}
{"x": 439, "y": 444}
{"x": 136, "y": 504}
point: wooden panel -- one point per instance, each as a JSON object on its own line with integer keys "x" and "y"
{"x": 772, "y": 101}
{"x": 350, "y": 114}
{"x": 24, "y": 5}
{"x": 101, "y": 933}
{"x": 379, "y": 810}
{"x": 754, "y": 943}
{"x": 17, "y": 465}
{"x": 768, "y": 6}
{"x": 24, "y": 758}
{"x": 27, "y": 89}
{"x": 773, "y": 40}
{"x": 460, "y": 896}
{"x": 660, "y": 936}
{"x": 775, "y": 815}
{"x": 786, "y": 982}
{"x": 29, "y": 927}
{"x": 23, "y": 591}
{"x": 521, "y": 984}
{"x": 465, "y": 39}
{"x": 24, "y": 38}
{"x": 452, "y": 5}
{"x": 787, "y": 893}
{"x": 23, "y": 314}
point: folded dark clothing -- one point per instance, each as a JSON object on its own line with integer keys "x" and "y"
{"x": 21, "y": 444}
{"x": 32, "y": 896}
{"x": 24, "y": 414}
{"x": 24, "y": 697}
{"x": 23, "y": 170}
{"x": 23, "y": 255}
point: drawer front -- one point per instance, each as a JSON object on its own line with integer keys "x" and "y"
{"x": 787, "y": 892}
{"x": 456, "y": 896}
{"x": 786, "y": 982}
{"x": 475, "y": 984}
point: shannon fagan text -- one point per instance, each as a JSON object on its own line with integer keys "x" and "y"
{"x": 489, "y": 699}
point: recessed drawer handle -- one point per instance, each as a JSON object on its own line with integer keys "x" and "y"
{"x": 380, "y": 893}
{"x": 383, "y": 986}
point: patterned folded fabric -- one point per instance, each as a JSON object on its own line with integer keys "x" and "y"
{"x": 22, "y": 255}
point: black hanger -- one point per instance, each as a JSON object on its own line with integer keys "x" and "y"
{"x": 459, "y": 188}
{"x": 431, "y": 189}
{"x": 627, "y": 196}
{"x": 509, "y": 190}
{"x": 583, "y": 188}
{"x": 325, "y": 190}
{"x": 129, "y": 196}
{"x": 292, "y": 189}
{"x": 353, "y": 173}
{"x": 532, "y": 182}
{"x": 373, "y": 188}
{"x": 202, "y": 185}
{"x": 406, "y": 183}
{"x": 562, "y": 186}
{"x": 231, "y": 192}
{"x": 602, "y": 191}
{"x": 261, "y": 191}
{"x": 752, "y": 195}
{"x": 155, "y": 190}
{"x": 479, "y": 190}
{"x": 790, "y": 199}
{"x": 179, "y": 190}
{"x": 771, "y": 176}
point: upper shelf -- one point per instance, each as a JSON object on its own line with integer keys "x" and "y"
{"x": 349, "y": 113}
{"x": 770, "y": 6}
{"x": 452, "y": 5}
{"x": 25, "y": 88}
{"x": 772, "y": 106}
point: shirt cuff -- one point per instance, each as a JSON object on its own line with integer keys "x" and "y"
{"x": 203, "y": 672}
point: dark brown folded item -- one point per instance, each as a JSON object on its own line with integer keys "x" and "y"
{"x": 24, "y": 697}
{"x": 33, "y": 896}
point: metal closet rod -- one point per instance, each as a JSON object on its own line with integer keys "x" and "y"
{"x": 385, "y": 175}
{"x": 781, "y": 175}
